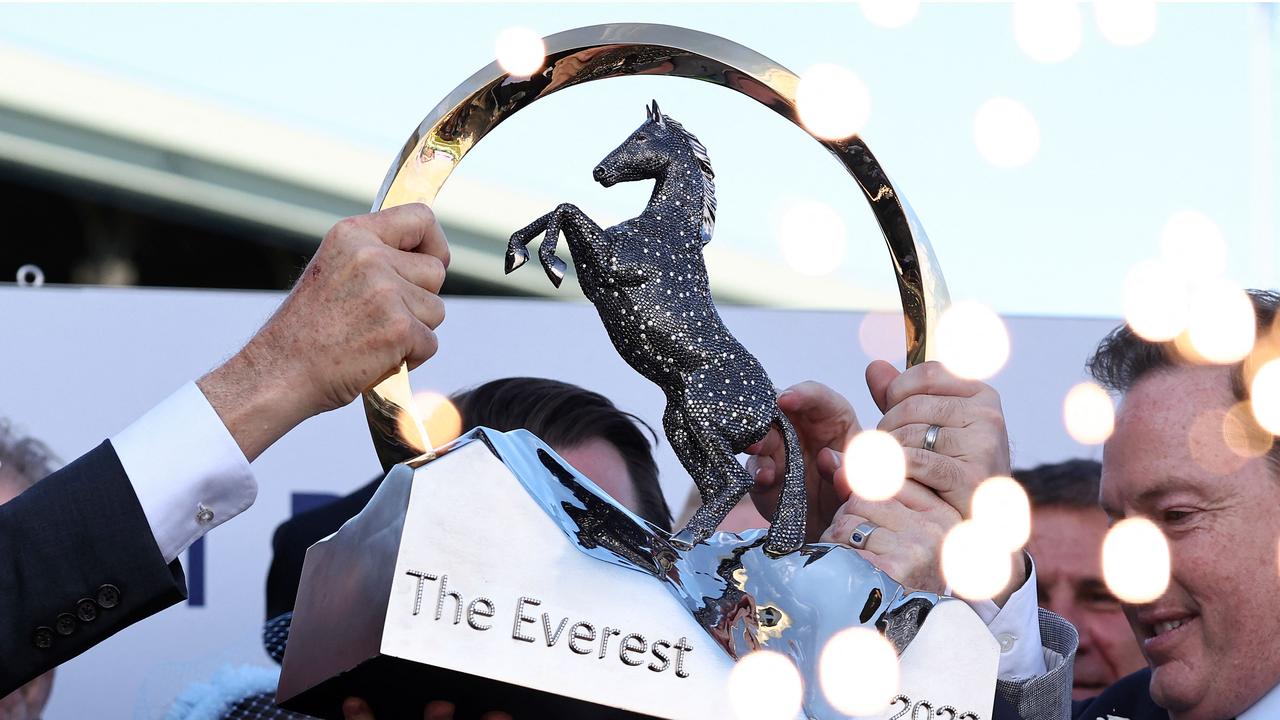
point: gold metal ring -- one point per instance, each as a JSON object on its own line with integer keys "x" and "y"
{"x": 607, "y": 51}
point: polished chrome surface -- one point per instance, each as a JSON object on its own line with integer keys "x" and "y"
{"x": 469, "y": 514}
{"x": 581, "y": 55}
{"x": 745, "y": 598}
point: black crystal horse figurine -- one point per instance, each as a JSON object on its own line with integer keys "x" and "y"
{"x": 648, "y": 281}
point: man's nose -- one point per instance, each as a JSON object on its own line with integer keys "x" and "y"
{"x": 598, "y": 173}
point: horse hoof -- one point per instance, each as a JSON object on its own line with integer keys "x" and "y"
{"x": 774, "y": 548}
{"x": 516, "y": 257}
{"x": 555, "y": 268}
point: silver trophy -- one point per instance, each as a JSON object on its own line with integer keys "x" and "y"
{"x": 586, "y": 609}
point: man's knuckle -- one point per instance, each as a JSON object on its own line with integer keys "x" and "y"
{"x": 346, "y": 227}
{"x": 423, "y": 214}
{"x": 437, "y": 310}
{"x": 367, "y": 255}
{"x": 400, "y": 325}
{"x": 430, "y": 342}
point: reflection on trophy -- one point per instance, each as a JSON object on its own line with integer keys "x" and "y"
{"x": 586, "y": 608}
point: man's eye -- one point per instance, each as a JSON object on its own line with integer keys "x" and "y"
{"x": 1176, "y": 516}
{"x": 1102, "y": 598}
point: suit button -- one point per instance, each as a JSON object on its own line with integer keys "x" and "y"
{"x": 87, "y": 610}
{"x": 42, "y": 638}
{"x": 108, "y": 596}
{"x": 65, "y": 624}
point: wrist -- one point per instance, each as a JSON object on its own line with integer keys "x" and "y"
{"x": 254, "y": 398}
{"x": 1018, "y": 575}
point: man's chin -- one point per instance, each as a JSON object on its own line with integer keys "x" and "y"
{"x": 1174, "y": 689}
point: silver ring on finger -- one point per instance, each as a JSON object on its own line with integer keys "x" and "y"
{"x": 861, "y": 534}
{"x": 931, "y": 437}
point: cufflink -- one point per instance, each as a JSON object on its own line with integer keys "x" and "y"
{"x": 108, "y": 597}
{"x": 204, "y": 515}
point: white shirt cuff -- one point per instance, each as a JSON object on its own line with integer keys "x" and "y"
{"x": 1016, "y": 627}
{"x": 187, "y": 471}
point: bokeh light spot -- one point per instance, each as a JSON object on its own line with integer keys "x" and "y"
{"x": 1242, "y": 433}
{"x": 1155, "y": 300}
{"x": 1221, "y": 324}
{"x": 875, "y": 464}
{"x": 440, "y": 420}
{"x": 1088, "y": 413}
{"x": 1207, "y": 443}
{"x": 972, "y": 340}
{"x": 1006, "y": 132}
{"x": 1048, "y": 31}
{"x": 1126, "y": 22}
{"x": 890, "y": 13}
{"x": 521, "y": 52}
{"x": 858, "y": 671}
{"x": 765, "y": 685}
{"x": 1135, "y": 561}
{"x": 1002, "y": 505}
{"x": 975, "y": 562}
{"x": 439, "y": 415}
{"x": 1264, "y": 396}
{"x": 813, "y": 238}
{"x": 833, "y": 102}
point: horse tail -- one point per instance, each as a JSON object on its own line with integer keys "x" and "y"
{"x": 787, "y": 531}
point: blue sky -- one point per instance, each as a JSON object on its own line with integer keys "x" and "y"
{"x": 1129, "y": 135}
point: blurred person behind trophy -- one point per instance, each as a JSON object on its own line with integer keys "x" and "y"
{"x": 1067, "y": 530}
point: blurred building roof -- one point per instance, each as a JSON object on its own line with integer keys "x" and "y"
{"x": 66, "y": 122}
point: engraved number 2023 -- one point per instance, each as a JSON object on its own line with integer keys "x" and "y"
{"x": 912, "y": 711}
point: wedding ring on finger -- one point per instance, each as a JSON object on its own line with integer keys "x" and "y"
{"x": 861, "y": 534}
{"x": 931, "y": 437}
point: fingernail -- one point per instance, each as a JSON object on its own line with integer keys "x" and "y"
{"x": 836, "y": 457}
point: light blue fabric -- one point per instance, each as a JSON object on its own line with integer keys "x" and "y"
{"x": 211, "y": 700}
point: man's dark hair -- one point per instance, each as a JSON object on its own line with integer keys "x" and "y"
{"x": 1122, "y": 358}
{"x": 566, "y": 416}
{"x": 1073, "y": 483}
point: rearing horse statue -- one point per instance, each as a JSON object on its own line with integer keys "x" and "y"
{"x": 648, "y": 280}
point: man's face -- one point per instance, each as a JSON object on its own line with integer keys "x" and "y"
{"x": 1211, "y": 638}
{"x": 1067, "y": 545}
{"x": 599, "y": 460}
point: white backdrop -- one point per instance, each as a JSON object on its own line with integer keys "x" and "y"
{"x": 76, "y": 365}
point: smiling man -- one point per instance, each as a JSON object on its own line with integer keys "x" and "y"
{"x": 1187, "y": 456}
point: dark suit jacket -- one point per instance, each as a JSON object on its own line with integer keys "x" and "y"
{"x": 295, "y": 535}
{"x": 78, "y": 563}
{"x": 1129, "y": 697}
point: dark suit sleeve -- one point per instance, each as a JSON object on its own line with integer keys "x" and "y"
{"x": 78, "y": 563}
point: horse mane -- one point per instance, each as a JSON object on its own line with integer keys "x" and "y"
{"x": 708, "y": 176}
